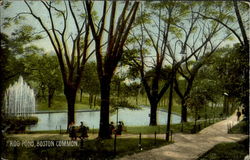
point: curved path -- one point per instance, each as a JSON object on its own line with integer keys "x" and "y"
{"x": 191, "y": 146}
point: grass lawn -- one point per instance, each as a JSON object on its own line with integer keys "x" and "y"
{"x": 143, "y": 101}
{"x": 92, "y": 149}
{"x": 60, "y": 103}
{"x": 227, "y": 151}
{"x": 176, "y": 128}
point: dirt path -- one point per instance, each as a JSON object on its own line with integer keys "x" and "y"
{"x": 191, "y": 146}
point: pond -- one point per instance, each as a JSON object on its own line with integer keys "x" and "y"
{"x": 53, "y": 121}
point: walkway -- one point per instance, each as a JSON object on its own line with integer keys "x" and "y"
{"x": 191, "y": 146}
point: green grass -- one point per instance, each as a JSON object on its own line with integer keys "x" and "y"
{"x": 94, "y": 149}
{"x": 161, "y": 129}
{"x": 161, "y": 105}
{"x": 227, "y": 151}
{"x": 60, "y": 103}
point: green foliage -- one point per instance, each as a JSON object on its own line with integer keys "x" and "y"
{"x": 19, "y": 123}
{"x": 15, "y": 47}
{"x": 228, "y": 64}
{"x": 225, "y": 13}
{"x": 240, "y": 128}
{"x": 44, "y": 72}
{"x": 30, "y": 120}
{"x": 19, "y": 41}
{"x": 60, "y": 103}
{"x": 133, "y": 89}
{"x": 90, "y": 82}
{"x": 124, "y": 104}
{"x": 7, "y": 4}
{"x": 143, "y": 18}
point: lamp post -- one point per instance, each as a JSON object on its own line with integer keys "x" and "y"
{"x": 117, "y": 108}
{"x": 225, "y": 107}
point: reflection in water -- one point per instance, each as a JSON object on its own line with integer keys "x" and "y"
{"x": 53, "y": 121}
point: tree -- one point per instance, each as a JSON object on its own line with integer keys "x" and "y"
{"x": 90, "y": 83}
{"x": 227, "y": 13}
{"x": 10, "y": 66}
{"x": 44, "y": 71}
{"x": 236, "y": 13}
{"x": 229, "y": 65}
{"x": 173, "y": 44}
{"x": 196, "y": 101}
{"x": 4, "y": 55}
{"x": 107, "y": 60}
{"x": 13, "y": 46}
{"x": 71, "y": 59}
{"x": 244, "y": 52}
{"x": 189, "y": 71}
{"x": 145, "y": 35}
{"x": 133, "y": 90}
{"x": 202, "y": 48}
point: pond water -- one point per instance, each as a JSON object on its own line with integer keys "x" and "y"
{"x": 53, "y": 121}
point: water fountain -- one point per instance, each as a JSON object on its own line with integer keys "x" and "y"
{"x": 19, "y": 99}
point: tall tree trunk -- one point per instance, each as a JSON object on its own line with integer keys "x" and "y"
{"x": 81, "y": 91}
{"x": 164, "y": 101}
{"x": 104, "y": 113}
{"x": 246, "y": 70}
{"x": 213, "y": 109}
{"x": 183, "y": 111}
{"x": 225, "y": 106}
{"x": 136, "y": 100}
{"x": 50, "y": 96}
{"x": 169, "y": 108}
{"x": 94, "y": 100}
{"x": 3, "y": 83}
{"x": 154, "y": 96}
{"x": 43, "y": 94}
{"x": 49, "y": 100}
{"x": 90, "y": 100}
{"x": 153, "y": 114}
{"x": 70, "y": 93}
{"x": 242, "y": 28}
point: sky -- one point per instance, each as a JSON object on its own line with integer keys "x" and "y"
{"x": 20, "y": 6}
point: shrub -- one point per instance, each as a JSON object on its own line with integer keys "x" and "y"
{"x": 18, "y": 124}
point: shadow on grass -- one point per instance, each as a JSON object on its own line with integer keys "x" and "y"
{"x": 91, "y": 149}
{"x": 227, "y": 151}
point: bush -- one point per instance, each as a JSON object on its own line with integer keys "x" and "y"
{"x": 18, "y": 124}
{"x": 240, "y": 128}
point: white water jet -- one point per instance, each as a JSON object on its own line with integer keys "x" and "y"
{"x": 19, "y": 99}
